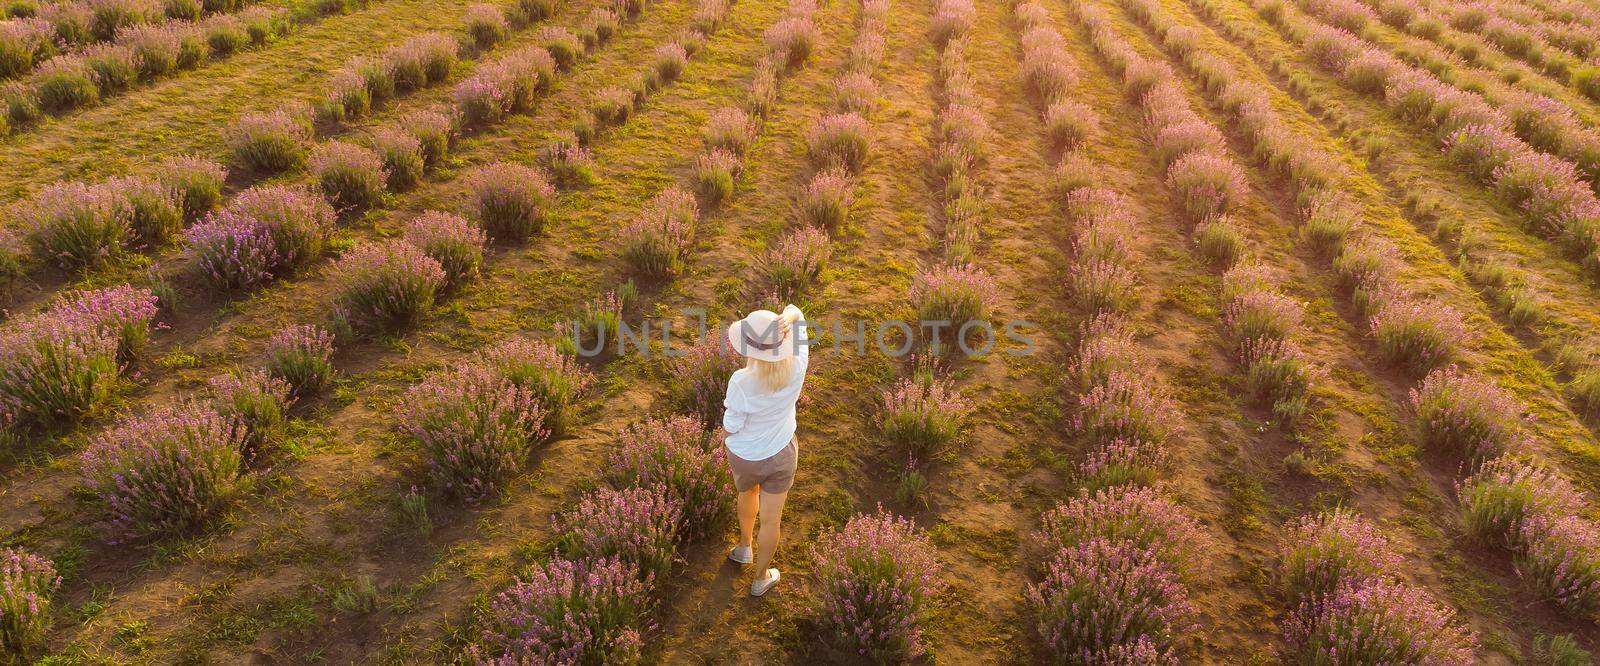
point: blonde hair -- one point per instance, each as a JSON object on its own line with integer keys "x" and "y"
{"x": 771, "y": 375}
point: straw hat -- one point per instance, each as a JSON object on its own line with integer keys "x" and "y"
{"x": 760, "y": 336}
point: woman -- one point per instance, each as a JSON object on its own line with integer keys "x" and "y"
{"x": 759, "y": 418}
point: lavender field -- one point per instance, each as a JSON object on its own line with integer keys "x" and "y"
{"x": 1143, "y": 331}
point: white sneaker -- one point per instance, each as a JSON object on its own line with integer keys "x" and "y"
{"x": 760, "y": 586}
{"x": 742, "y": 555}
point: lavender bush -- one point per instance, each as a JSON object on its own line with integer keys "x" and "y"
{"x": 450, "y": 240}
{"x": 1466, "y": 414}
{"x": 556, "y": 380}
{"x": 793, "y": 266}
{"x": 714, "y": 172}
{"x": 1103, "y": 601}
{"x": 301, "y": 356}
{"x": 401, "y": 157}
{"x": 54, "y": 367}
{"x": 566, "y": 612}
{"x": 791, "y": 40}
{"x": 923, "y": 413}
{"x": 1417, "y": 335}
{"x": 351, "y": 177}
{"x": 658, "y": 240}
{"x": 486, "y": 25}
{"x": 670, "y": 60}
{"x": 839, "y": 140}
{"x": 510, "y": 201}
{"x": 266, "y": 232}
{"x": 568, "y": 161}
{"x": 387, "y": 285}
{"x": 1069, "y": 125}
{"x": 258, "y": 402}
{"x": 1123, "y": 408}
{"x": 76, "y": 224}
{"x": 271, "y": 141}
{"x": 1504, "y": 492}
{"x": 1137, "y": 516}
{"x": 638, "y": 526}
{"x": 1377, "y": 621}
{"x": 956, "y": 294}
{"x": 434, "y": 131}
{"x": 198, "y": 182}
{"x": 27, "y": 583}
{"x": 730, "y": 129}
{"x": 1207, "y": 185}
{"x": 825, "y": 201}
{"x": 166, "y": 472}
{"x": 1560, "y": 555}
{"x": 64, "y": 83}
{"x": 673, "y": 453}
{"x": 474, "y": 426}
{"x": 876, "y": 579}
{"x": 698, "y": 380}
{"x": 1320, "y": 552}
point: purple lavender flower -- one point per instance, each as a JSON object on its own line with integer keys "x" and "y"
{"x": 1137, "y": 516}
{"x": 1378, "y": 621}
{"x": 1320, "y": 552}
{"x": 387, "y": 285}
{"x": 566, "y": 612}
{"x": 876, "y": 579}
{"x": 636, "y": 525}
{"x": 1104, "y": 601}
{"x": 658, "y": 240}
{"x": 474, "y": 426}
{"x": 27, "y": 583}
{"x": 698, "y": 380}
{"x": 512, "y": 202}
{"x": 555, "y": 378}
{"x": 165, "y": 473}
{"x": 450, "y": 240}
{"x": 302, "y": 356}
{"x": 675, "y": 454}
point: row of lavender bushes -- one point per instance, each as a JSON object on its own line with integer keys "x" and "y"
{"x": 667, "y": 482}
{"x": 923, "y": 414}
{"x": 44, "y": 32}
{"x": 1549, "y": 190}
{"x": 1117, "y": 559}
{"x": 1546, "y": 124}
{"x": 134, "y": 54}
{"x": 1258, "y": 317}
{"x": 1459, "y": 412}
{"x": 1555, "y": 47}
{"x": 266, "y": 232}
{"x": 170, "y": 471}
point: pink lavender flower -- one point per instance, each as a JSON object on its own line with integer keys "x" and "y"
{"x": 1104, "y": 601}
{"x": 568, "y": 161}
{"x": 1466, "y": 414}
{"x": 165, "y": 473}
{"x": 1378, "y": 621}
{"x": 271, "y": 141}
{"x": 64, "y": 83}
{"x": 730, "y": 129}
{"x": 638, "y": 526}
{"x": 387, "y": 285}
{"x": 302, "y": 356}
{"x": 1125, "y": 407}
{"x": 825, "y": 201}
{"x": 27, "y": 584}
{"x": 197, "y": 180}
{"x": 1122, "y": 462}
{"x": 839, "y": 140}
{"x": 423, "y": 60}
{"x": 793, "y": 267}
{"x": 76, "y": 224}
{"x": 714, "y": 173}
{"x": 1498, "y": 498}
{"x": 1560, "y": 555}
{"x": 674, "y": 453}
{"x": 876, "y": 579}
{"x": 450, "y": 240}
{"x": 670, "y": 61}
{"x": 555, "y": 378}
{"x": 1136, "y": 516}
{"x": 352, "y": 177}
{"x": 955, "y": 294}
{"x": 510, "y": 201}
{"x": 791, "y": 40}
{"x": 656, "y": 243}
{"x": 486, "y": 24}
{"x": 923, "y": 413}
{"x": 1416, "y": 334}
{"x": 258, "y": 402}
{"x": 475, "y": 427}
{"x": 566, "y": 612}
{"x": 1206, "y": 184}
{"x": 24, "y": 42}
{"x": 951, "y": 20}
{"x": 401, "y": 155}
{"x": 1098, "y": 285}
{"x": 1320, "y": 552}
{"x": 698, "y": 380}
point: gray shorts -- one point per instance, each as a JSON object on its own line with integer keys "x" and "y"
{"x": 774, "y": 475}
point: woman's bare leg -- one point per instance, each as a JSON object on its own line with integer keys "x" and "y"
{"x": 767, "y": 539}
{"x": 749, "y": 503}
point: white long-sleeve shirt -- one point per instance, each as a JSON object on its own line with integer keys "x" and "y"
{"x": 760, "y": 422}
